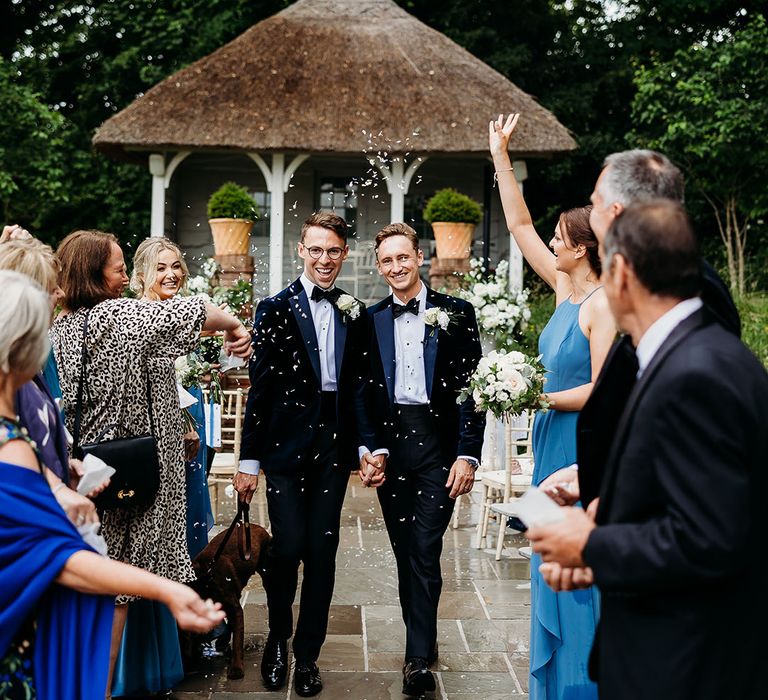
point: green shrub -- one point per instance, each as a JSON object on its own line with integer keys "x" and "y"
{"x": 753, "y": 309}
{"x": 231, "y": 201}
{"x": 452, "y": 206}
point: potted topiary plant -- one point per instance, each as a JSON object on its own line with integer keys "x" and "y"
{"x": 231, "y": 211}
{"x": 453, "y": 217}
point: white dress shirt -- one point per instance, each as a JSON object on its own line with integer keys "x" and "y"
{"x": 322, "y": 319}
{"x": 410, "y": 375}
{"x": 661, "y": 329}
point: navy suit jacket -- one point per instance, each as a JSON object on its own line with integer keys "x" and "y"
{"x": 678, "y": 552}
{"x": 450, "y": 358}
{"x": 284, "y": 402}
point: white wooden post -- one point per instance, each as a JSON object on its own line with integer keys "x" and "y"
{"x": 398, "y": 180}
{"x": 157, "y": 169}
{"x": 278, "y": 179}
{"x": 515, "y": 256}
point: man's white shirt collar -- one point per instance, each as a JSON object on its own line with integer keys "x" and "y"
{"x": 661, "y": 329}
{"x": 309, "y": 285}
{"x": 421, "y": 297}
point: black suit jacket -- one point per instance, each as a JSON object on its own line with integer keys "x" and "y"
{"x": 678, "y": 554}
{"x": 450, "y": 358}
{"x": 283, "y": 407}
{"x": 598, "y": 419}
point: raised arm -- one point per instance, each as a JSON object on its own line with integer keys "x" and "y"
{"x": 516, "y": 213}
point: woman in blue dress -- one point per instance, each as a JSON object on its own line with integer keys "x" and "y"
{"x": 573, "y": 346}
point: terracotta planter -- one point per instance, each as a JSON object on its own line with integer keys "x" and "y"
{"x": 453, "y": 240}
{"x": 230, "y": 236}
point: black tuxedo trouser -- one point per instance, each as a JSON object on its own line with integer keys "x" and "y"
{"x": 305, "y": 512}
{"x": 417, "y": 511}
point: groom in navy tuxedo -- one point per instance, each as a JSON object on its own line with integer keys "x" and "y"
{"x": 424, "y": 346}
{"x": 307, "y": 382}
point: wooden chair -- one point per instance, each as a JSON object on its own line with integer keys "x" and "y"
{"x": 500, "y": 485}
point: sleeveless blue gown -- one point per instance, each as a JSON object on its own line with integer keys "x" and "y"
{"x": 150, "y": 658}
{"x": 562, "y": 624}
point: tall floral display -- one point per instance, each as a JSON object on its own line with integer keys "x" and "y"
{"x": 502, "y": 313}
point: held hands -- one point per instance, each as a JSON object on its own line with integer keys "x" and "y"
{"x": 372, "y": 469}
{"x": 499, "y": 133}
{"x": 461, "y": 478}
{"x": 192, "y": 613}
{"x": 245, "y": 485}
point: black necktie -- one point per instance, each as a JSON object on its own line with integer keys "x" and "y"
{"x": 412, "y": 306}
{"x": 318, "y": 294}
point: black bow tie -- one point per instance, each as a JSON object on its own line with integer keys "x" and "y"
{"x": 318, "y": 294}
{"x": 411, "y": 307}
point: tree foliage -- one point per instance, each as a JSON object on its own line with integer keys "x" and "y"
{"x": 704, "y": 108}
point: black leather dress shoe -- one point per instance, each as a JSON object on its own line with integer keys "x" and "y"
{"x": 433, "y": 655}
{"x": 274, "y": 663}
{"x": 417, "y": 678}
{"x": 306, "y": 679}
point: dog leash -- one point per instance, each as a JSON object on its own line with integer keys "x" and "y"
{"x": 242, "y": 522}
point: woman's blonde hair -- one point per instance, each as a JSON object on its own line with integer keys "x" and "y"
{"x": 145, "y": 264}
{"x": 33, "y": 259}
{"x": 24, "y": 317}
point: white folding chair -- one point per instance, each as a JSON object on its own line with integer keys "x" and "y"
{"x": 500, "y": 485}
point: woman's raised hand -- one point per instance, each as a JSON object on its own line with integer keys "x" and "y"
{"x": 237, "y": 342}
{"x": 499, "y": 133}
{"x": 192, "y": 613}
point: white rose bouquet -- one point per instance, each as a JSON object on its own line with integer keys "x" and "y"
{"x": 506, "y": 384}
{"x": 502, "y": 314}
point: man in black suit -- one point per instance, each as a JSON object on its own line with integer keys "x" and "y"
{"x": 627, "y": 178}
{"x": 424, "y": 347}
{"x": 676, "y": 545}
{"x": 307, "y": 381}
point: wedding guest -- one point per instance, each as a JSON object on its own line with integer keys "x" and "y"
{"x": 419, "y": 367}
{"x": 124, "y": 343}
{"x": 35, "y": 405}
{"x": 573, "y": 345}
{"x": 55, "y": 590}
{"x": 679, "y": 523}
{"x": 300, "y": 427}
{"x": 627, "y": 178}
{"x": 150, "y": 660}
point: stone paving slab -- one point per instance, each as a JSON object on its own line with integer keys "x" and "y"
{"x": 483, "y": 618}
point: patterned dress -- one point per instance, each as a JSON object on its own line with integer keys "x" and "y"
{"x": 129, "y": 342}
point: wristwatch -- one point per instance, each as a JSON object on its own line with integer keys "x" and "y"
{"x": 471, "y": 461}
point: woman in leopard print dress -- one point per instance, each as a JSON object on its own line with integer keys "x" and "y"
{"x": 129, "y": 343}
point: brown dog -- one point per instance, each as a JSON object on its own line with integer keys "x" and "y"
{"x": 224, "y": 584}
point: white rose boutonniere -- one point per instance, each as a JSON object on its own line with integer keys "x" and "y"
{"x": 349, "y": 306}
{"x": 437, "y": 317}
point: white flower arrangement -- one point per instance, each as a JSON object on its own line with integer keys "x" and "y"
{"x": 506, "y": 384}
{"x": 502, "y": 314}
{"x": 190, "y": 370}
{"x": 349, "y": 306}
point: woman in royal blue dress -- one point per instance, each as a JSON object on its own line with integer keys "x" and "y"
{"x": 573, "y": 346}
{"x": 56, "y": 592}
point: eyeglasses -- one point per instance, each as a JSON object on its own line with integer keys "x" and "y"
{"x": 316, "y": 252}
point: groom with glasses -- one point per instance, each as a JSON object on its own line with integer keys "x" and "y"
{"x": 424, "y": 346}
{"x": 307, "y": 382}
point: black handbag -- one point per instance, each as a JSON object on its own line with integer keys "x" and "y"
{"x": 134, "y": 459}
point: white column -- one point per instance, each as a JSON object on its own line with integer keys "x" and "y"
{"x": 276, "y": 224}
{"x": 157, "y": 169}
{"x": 398, "y": 181}
{"x": 515, "y": 256}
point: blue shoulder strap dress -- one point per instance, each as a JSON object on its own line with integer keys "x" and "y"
{"x": 562, "y": 624}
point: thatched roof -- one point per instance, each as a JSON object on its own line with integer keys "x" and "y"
{"x": 316, "y": 75}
